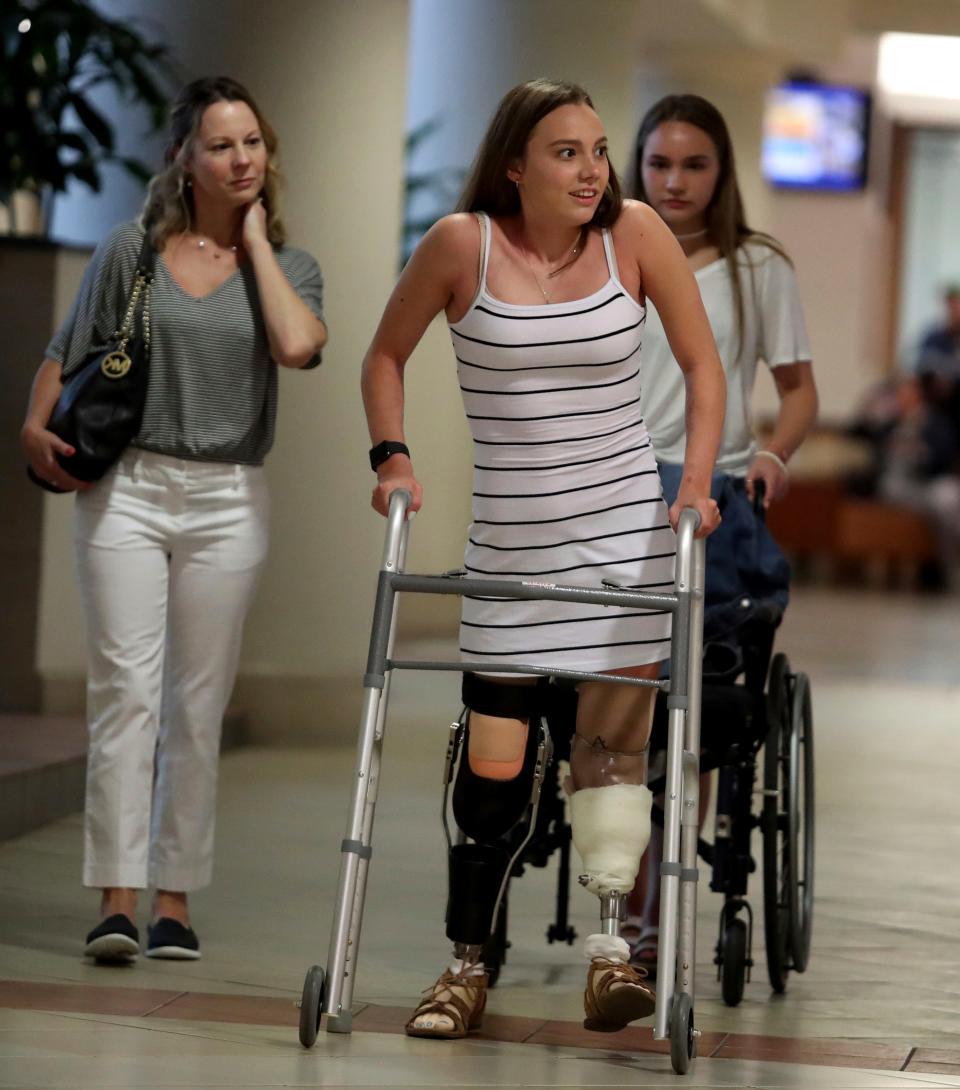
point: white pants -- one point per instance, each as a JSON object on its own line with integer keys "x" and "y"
{"x": 168, "y": 553}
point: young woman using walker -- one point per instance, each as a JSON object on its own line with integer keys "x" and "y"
{"x": 543, "y": 275}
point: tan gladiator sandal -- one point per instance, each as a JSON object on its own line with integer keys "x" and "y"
{"x": 615, "y": 996}
{"x": 451, "y": 1007}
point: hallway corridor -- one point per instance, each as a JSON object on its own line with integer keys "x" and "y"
{"x": 878, "y": 1007}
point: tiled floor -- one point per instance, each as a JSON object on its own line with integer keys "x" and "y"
{"x": 878, "y": 1007}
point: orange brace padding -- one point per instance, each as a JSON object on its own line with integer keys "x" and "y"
{"x": 491, "y": 769}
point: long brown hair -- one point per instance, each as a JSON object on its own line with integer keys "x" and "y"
{"x": 727, "y": 226}
{"x": 488, "y": 189}
{"x": 168, "y": 209}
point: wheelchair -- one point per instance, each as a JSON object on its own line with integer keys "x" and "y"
{"x": 756, "y": 727}
{"x": 748, "y": 723}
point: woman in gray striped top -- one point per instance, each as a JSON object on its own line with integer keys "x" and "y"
{"x": 543, "y": 276}
{"x": 170, "y": 543}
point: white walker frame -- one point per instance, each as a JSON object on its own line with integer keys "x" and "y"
{"x": 330, "y": 992}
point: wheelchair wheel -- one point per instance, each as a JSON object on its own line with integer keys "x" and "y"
{"x": 495, "y": 948}
{"x": 801, "y": 821}
{"x": 311, "y": 1005}
{"x": 733, "y": 961}
{"x": 779, "y": 861}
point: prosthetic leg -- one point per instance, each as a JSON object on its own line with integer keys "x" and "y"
{"x": 491, "y": 800}
{"x": 610, "y": 818}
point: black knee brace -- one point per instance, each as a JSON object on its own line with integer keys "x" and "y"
{"x": 486, "y": 811}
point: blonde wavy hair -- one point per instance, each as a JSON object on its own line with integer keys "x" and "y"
{"x": 168, "y": 209}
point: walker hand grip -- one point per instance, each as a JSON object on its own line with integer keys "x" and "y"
{"x": 395, "y": 543}
{"x": 686, "y": 515}
{"x": 690, "y": 552}
{"x": 400, "y": 499}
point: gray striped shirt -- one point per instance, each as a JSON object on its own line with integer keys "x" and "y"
{"x": 213, "y": 385}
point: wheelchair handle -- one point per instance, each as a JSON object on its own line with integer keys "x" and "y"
{"x": 759, "y": 494}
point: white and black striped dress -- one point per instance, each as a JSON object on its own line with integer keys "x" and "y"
{"x": 565, "y": 488}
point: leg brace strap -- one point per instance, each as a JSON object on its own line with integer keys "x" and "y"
{"x": 506, "y": 701}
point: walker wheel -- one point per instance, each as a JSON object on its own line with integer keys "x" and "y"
{"x": 682, "y": 1041}
{"x": 733, "y": 961}
{"x": 311, "y": 1006}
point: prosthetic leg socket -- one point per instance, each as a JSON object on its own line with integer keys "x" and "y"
{"x": 611, "y": 830}
{"x": 476, "y": 872}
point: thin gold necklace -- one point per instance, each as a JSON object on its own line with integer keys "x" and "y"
{"x": 568, "y": 256}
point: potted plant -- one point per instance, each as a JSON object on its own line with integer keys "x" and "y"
{"x": 55, "y": 52}
{"x": 427, "y": 195}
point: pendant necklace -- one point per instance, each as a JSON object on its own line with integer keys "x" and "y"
{"x": 567, "y": 257}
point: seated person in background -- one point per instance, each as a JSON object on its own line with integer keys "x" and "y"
{"x": 876, "y": 418}
{"x": 918, "y": 468}
{"x": 938, "y": 361}
{"x": 940, "y": 347}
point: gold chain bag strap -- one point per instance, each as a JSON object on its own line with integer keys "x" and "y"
{"x": 116, "y": 363}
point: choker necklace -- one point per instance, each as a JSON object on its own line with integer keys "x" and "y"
{"x": 693, "y": 234}
{"x": 567, "y": 257}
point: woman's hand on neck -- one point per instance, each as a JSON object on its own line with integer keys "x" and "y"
{"x": 254, "y": 226}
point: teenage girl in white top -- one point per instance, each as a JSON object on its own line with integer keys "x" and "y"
{"x": 685, "y": 172}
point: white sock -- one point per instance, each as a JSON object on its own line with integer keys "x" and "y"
{"x": 606, "y": 946}
{"x": 456, "y": 967}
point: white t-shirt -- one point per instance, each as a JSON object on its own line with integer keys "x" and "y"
{"x": 773, "y": 331}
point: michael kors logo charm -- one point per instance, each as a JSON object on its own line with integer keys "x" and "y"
{"x": 115, "y": 365}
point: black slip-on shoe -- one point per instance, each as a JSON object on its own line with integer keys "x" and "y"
{"x": 167, "y": 938}
{"x": 114, "y": 940}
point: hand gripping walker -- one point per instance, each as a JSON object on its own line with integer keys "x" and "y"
{"x": 331, "y": 992}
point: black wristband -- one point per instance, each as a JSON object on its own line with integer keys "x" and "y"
{"x": 382, "y": 451}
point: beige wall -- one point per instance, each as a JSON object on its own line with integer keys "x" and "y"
{"x": 61, "y": 650}
{"x": 842, "y": 245}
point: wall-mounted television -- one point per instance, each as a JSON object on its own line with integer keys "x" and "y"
{"x": 815, "y": 136}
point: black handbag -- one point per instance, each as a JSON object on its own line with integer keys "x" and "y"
{"x": 101, "y": 404}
